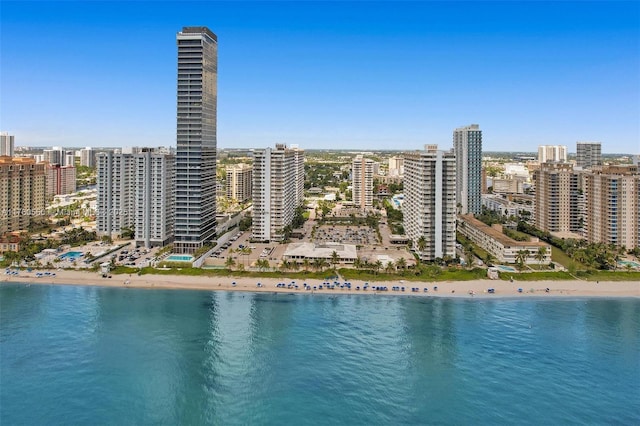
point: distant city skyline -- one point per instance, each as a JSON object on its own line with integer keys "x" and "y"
{"x": 328, "y": 75}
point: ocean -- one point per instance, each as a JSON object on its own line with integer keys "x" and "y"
{"x": 115, "y": 356}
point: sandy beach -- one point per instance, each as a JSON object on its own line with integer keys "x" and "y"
{"x": 468, "y": 289}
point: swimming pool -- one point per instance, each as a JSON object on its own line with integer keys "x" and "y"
{"x": 629, "y": 262}
{"x": 506, "y": 268}
{"x": 179, "y": 258}
{"x": 71, "y": 255}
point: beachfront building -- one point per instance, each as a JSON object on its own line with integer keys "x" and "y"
{"x": 429, "y": 207}
{"x": 362, "y": 172}
{"x": 197, "y": 93}
{"x": 239, "y": 182}
{"x": 588, "y": 154}
{"x": 299, "y": 252}
{"x": 10, "y": 241}
{"x": 558, "y": 198}
{"x": 554, "y": 153}
{"x": 61, "y": 180}
{"x": 87, "y": 157}
{"x": 154, "y": 198}
{"x": 467, "y": 144}
{"x": 276, "y": 191}
{"x": 6, "y": 144}
{"x": 501, "y": 247}
{"x": 22, "y": 193}
{"x": 115, "y": 201}
{"x": 612, "y": 206}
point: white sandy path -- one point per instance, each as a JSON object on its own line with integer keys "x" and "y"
{"x": 445, "y": 288}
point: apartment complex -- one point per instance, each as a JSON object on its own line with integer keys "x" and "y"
{"x": 612, "y": 205}
{"x": 555, "y": 153}
{"x": 558, "y": 198}
{"x": 154, "y": 198}
{"x": 61, "y": 180}
{"x": 362, "y": 172}
{"x": 22, "y": 193}
{"x": 115, "y": 201}
{"x": 6, "y": 144}
{"x": 197, "y": 93}
{"x": 467, "y": 145}
{"x": 276, "y": 193}
{"x": 87, "y": 157}
{"x": 501, "y": 247}
{"x": 396, "y": 166}
{"x": 239, "y": 182}
{"x": 429, "y": 206}
{"x": 589, "y": 154}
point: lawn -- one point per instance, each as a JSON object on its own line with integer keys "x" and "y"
{"x": 562, "y": 258}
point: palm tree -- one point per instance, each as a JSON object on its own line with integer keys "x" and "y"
{"x": 377, "y": 266}
{"x": 390, "y": 268}
{"x": 306, "y": 264}
{"x": 229, "y": 263}
{"x": 401, "y": 263}
{"x": 422, "y": 244}
{"x": 489, "y": 259}
{"x": 541, "y": 254}
{"x": 318, "y": 264}
{"x": 521, "y": 257}
{"x": 334, "y": 258}
{"x": 357, "y": 263}
{"x": 468, "y": 254}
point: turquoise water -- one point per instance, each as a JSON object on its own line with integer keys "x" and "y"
{"x": 506, "y": 268}
{"x": 91, "y": 355}
{"x": 629, "y": 262}
{"x": 71, "y": 255}
{"x": 179, "y": 258}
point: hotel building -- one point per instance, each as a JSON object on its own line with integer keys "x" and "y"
{"x": 276, "y": 193}
{"x": 195, "y": 218}
{"x": 612, "y": 204}
{"x": 22, "y": 193}
{"x": 467, "y": 144}
{"x": 429, "y": 206}
{"x": 362, "y": 171}
{"x": 239, "y": 182}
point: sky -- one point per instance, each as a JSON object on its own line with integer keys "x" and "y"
{"x": 349, "y": 75}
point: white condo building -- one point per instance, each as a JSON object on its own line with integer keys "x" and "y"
{"x": 115, "y": 202}
{"x": 154, "y": 198}
{"x": 555, "y": 153}
{"x": 277, "y": 174}
{"x": 362, "y": 171}
{"x": 6, "y": 144}
{"x": 87, "y": 157}
{"x": 467, "y": 145}
{"x": 429, "y": 206}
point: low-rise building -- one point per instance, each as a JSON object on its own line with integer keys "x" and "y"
{"x": 298, "y": 252}
{"x": 501, "y": 247}
{"x": 10, "y": 242}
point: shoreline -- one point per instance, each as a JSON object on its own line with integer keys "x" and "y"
{"x": 465, "y": 289}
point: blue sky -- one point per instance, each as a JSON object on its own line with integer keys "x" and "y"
{"x": 329, "y": 74}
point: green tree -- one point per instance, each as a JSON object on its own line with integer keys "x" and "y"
{"x": 521, "y": 258}
{"x": 401, "y": 263}
{"x": 335, "y": 259}
{"x": 541, "y": 254}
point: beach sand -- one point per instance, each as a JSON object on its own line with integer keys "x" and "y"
{"x": 479, "y": 288}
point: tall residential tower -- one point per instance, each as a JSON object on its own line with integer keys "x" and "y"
{"x": 362, "y": 182}
{"x": 467, "y": 144}
{"x": 588, "y": 154}
{"x": 429, "y": 206}
{"x": 195, "y": 218}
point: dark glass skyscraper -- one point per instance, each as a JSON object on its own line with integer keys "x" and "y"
{"x": 195, "y": 217}
{"x": 467, "y": 144}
